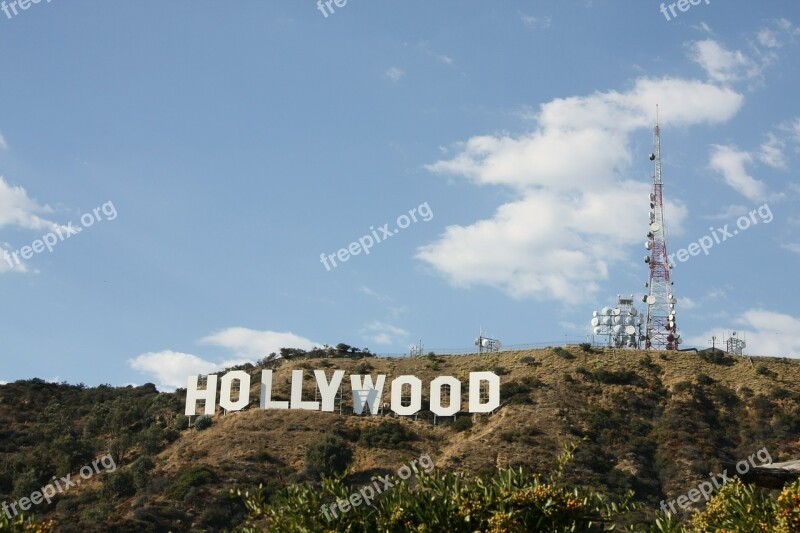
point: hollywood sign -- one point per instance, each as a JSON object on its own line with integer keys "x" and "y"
{"x": 365, "y": 393}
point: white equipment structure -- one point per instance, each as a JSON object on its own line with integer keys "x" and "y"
{"x": 486, "y": 344}
{"x": 621, "y": 324}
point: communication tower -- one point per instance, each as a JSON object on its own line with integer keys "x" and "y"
{"x": 661, "y": 331}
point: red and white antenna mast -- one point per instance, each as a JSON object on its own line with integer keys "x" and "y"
{"x": 661, "y": 331}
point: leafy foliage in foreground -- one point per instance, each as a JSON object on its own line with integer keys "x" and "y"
{"x": 509, "y": 500}
{"x": 20, "y": 524}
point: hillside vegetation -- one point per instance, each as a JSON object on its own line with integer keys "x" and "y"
{"x": 650, "y": 424}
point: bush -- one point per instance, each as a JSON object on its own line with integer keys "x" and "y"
{"x": 119, "y": 483}
{"x": 203, "y": 422}
{"x": 705, "y": 379}
{"x": 764, "y": 371}
{"x": 328, "y": 457}
{"x": 500, "y": 371}
{"x": 561, "y": 352}
{"x": 188, "y": 478}
{"x": 462, "y": 424}
{"x": 389, "y": 435}
{"x": 718, "y": 357}
{"x": 181, "y": 422}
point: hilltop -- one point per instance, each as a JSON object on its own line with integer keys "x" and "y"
{"x": 654, "y": 422}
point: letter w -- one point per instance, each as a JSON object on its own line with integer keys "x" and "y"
{"x": 366, "y": 392}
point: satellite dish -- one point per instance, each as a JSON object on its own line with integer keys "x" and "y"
{"x": 673, "y": 301}
{"x": 652, "y": 158}
{"x": 651, "y": 300}
{"x": 671, "y": 337}
{"x": 616, "y": 311}
{"x": 498, "y": 345}
{"x": 594, "y": 313}
{"x": 595, "y": 321}
{"x": 605, "y": 311}
{"x": 648, "y": 245}
{"x": 618, "y": 329}
{"x": 744, "y": 344}
{"x": 647, "y": 259}
{"x": 607, "y": 320}
{"x": 485, "y": 342}
{"x": 617, "y": 320}
{"x": 630, "y": 330}
{"x": 628, "y": 320}
{"x": 655, "y": 226}
{"x": 679, "y": 341}
{"x": 598, "y": 330}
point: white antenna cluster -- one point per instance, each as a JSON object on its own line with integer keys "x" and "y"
{"x": 486, "y": 344}
{"x": 621, "y": 324}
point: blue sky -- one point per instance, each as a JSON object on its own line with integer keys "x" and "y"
{"x": 216, "y": 150}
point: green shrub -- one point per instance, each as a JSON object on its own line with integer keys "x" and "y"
{"x": 718, "y": 357}
{"x": 181, "y": 422}
{"x": 561, "y": 352}
{"x": 462, "y": 424}
{"x": 119, "y": 483}
{"x": 188, "y": 478}
{"x": 203, "y": 422}
{"x": 764, "y": 371}
{"x": 389, "y": 434}
{"x": 328, "y": 457}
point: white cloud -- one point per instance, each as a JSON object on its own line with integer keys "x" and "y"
{"x": 705, "y": 28}
{"x": 730, "y": 212}
{"x": 686, "y": 303}
{"x": 768, "y": 38}
{"x": 792, "y": 247}
{"x": 766, "y": 332}
{"x": 731, "y": 162}
{"x": 535, "y": 22}
{"x": 383, "y": 334}
{"x": 254, "y": 344}
{"x": 771, "y": 152}
{"x": 722, "y": 65}
{"x": 574, "y": 208}
{"x": 3, "y": 382}
{"x": 171, "y": 369}
{"x": 394, "y": 74}
{"x": 18, "y": 209}
{"x": 3, "y": 143}
{"x": 423, "y": 47}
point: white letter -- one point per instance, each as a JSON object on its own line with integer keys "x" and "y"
{"x": 416, "y": 395}
{"x": 209, "y": 395}
{"x": 328, "y": 390}
{"x": 266, "y": 393}
{"x": 297, "y": 393}
{"x": 367, "y": 393}
{"x": 436, "y": 396}
{"x": 475, "y": 379}
{"x": 225, "y": 390}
